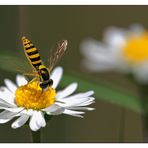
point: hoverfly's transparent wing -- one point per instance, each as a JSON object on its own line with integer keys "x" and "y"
{"x": 57, "y": 53}
{"x": 15, "y": 64}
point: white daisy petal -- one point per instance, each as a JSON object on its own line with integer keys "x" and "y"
{"x": 41, "y": 120}
{"x": 11, "y": 86}
{"x": 6, "y": 95}
{"x": 67, "y": 91}
{"x": 20, "y": 80}
{"x": 57, "y": 112}
{"x": 77, "y": 96}
{"x": 20, "y": 121}
{"x": 73, "y": 113}
{"x": 4, "y": 104}
{"x": 115, "y": 37}
{"x": 6, "y": 116}
{"x": 15, "y": 109}
{"x": 80, "y": 108}
{"x": 86, "y": 103}
{"x": 37, "y": 121}
{"x": 33, "y": 122}
{"x": 105, "y": 58}
{"x": 56, "y": 76}
{"x": 54, "y": 109}
{"x": 28, "y": 112}
{"x": 93, "y": 66}
{"x": 100, "y": 57}
{"x": 4, "y": 120}
{"x": 94, "y": 51}
{"x": 74, "y": 102}
{"x": 89, "y": 101}
{"x": 141, "y": 72}
{"x": 90, "y": 44}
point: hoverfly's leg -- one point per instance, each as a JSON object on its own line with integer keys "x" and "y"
{"x": 38, "y": 84}
{"x": 30, "y": 74}
{"x": 34, "y": 79}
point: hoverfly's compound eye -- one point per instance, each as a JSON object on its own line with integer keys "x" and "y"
{"x": 43, "y": 86}
{"x": 50, "y": 82}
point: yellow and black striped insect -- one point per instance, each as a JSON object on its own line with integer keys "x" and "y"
{"x": 40, "y": 70}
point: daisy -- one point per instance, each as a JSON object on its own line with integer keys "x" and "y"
{"x": 123, "y": 50}
{"x": 26, "y": 101}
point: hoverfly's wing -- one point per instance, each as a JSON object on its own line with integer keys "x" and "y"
{"x": 15, "y": 64}
{"x": 57, "y": 53}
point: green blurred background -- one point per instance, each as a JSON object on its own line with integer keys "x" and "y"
{"x": 45, "y": 25}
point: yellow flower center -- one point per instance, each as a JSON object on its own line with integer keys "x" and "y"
{"x": 31, "y": 96}
{"x": 136, "y": 49}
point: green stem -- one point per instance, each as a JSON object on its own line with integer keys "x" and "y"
{"x": 122, "y": 126}
{"x": 143, "y": 95}
{"x": 143, "y": 89}
{"x": 36, "y": 136}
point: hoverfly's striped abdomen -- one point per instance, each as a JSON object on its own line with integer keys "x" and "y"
{"x": 31, "y": 53}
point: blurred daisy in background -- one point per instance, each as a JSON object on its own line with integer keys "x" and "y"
{"x": 27, "y": 101}
{"x": 124, "y": 50}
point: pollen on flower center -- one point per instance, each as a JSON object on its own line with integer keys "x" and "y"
{"x": 31, "y": 96}
{"x": 136, "y": 49}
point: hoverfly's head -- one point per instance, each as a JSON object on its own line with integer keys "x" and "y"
{"x": 46, "y": 84}
{"x": 50, "y": 82}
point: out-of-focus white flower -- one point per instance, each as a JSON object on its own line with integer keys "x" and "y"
{"x": 27, "y": 100}
{"x": 124, "y": 50}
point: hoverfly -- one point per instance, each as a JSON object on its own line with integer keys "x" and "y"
{"x": 42, "y": 72}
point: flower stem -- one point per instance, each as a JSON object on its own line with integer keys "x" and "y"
{"x": 143, "y": 89}
{"x": 36, "y": 136}
{"x": 122, "y": 126}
